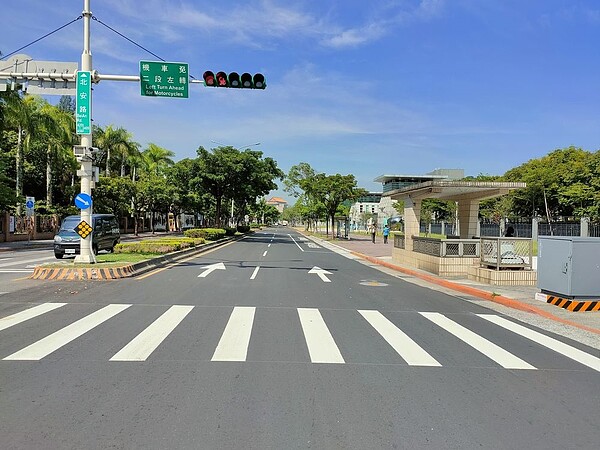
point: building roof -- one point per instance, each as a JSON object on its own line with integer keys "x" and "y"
{"x": 455, "y": 190}
{"x": 387, "y": 178}
{"x": 276, "y": 200}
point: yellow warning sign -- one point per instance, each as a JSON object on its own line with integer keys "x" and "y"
{"x": 83, "y": 229}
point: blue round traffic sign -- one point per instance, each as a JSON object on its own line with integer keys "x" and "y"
{"x": 29, "y": 204}
{"x": 83, "y": 201}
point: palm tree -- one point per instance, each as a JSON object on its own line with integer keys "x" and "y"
{"x": 111, "y": 139}
{"x": 59, "y": 131}
{"x": 157, "y": 159}
{"x": 19, "y": 114}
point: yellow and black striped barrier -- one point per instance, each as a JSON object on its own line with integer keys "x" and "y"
{"x": 72, "y": 274}
{"x": 574, "y": 305}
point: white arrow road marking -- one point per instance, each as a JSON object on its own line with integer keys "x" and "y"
{"x": 209, "y": 269}
{"x": 312, "y": 245}
{"x": 321, "y": 273}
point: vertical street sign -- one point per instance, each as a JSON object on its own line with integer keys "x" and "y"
{"x": 29, "y": 205}
{"x": 164, "y": 79}
{"x": 83, "y": 103}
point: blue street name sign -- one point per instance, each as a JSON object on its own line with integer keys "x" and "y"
{"x": 83, "y": 201}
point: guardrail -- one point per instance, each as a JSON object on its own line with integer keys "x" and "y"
{"x": 503, "y": 252}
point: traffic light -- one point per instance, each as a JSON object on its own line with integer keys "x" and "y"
{"x": 222, "y": 79}
{"x": 259, "y": 81}
{"x": 209, "y": 78}
{"x": 234, "y": 80}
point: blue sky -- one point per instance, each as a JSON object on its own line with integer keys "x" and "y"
{"x": 368, "y": 88}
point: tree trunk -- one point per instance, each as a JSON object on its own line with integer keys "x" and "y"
{"x": 49, "y": 177}
{"x": 19, "y": 169}
{"x": 218, "y": 211}
{"x": 108, "y": 162}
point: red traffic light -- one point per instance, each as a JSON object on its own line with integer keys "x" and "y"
{"x": 209, "y": 78}
{"x": 222, "y": 79}
{"x": 234, "y": 80}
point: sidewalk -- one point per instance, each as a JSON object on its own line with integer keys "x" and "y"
{"x": 521, "y": 298}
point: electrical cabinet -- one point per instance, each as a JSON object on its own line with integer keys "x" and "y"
{"x": 569, "y": 266}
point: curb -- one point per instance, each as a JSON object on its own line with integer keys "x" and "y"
{"x": 130, "y": 270}
{"x": 506, "y": 301}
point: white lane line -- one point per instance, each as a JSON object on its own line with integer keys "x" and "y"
{"x": 142, "y": 346}
{"x": 9, "y": 321}
{"x": 551, "y": 343}
{"x": 408, "y": 349}
{"x": 256, "y": 269}
{"x": 16, "y": 270}
{"x": 489, "y": 349}
{"x": 233, "y": 345}
{"x": 16, "y": 263}
{"x": 297, "y": 245}
{"x": 321, "y": 346}
{"x": 265, "y": 253}
{"x": 53, "y": 342}
{"x": 269, "y": 246}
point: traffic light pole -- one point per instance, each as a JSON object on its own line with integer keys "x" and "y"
{"x": 86, "y": 254}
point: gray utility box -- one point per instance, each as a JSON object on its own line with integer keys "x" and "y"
{"x": 569, "y": 266}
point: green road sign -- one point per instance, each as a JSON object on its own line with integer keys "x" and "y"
{"x": 83, "y": 103}
{"x": 164, "y": 79}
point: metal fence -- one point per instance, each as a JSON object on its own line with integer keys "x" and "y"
{"x": 446, "y": 248}
{"x": 523, "y": 228}
{"x": 505, "y": 253}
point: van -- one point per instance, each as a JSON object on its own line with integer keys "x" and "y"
{"x": 105, "y": 236}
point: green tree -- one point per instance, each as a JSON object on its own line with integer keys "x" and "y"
{"x": 19, "y": 114}
{"x": 331, "y": 191}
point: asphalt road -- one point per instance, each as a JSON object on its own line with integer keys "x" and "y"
{"x": 274, "y": 342}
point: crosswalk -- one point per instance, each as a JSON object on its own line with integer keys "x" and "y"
{"x": 233, "y": 330}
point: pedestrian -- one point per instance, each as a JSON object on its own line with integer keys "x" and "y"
{"x": 372, "y": 231}
{"x": 510, "y": 232}
{"x": 386, "y": 233}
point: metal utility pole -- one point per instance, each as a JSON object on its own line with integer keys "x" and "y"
{"x": 86, "y": 254}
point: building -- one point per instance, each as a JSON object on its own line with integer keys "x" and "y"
{"x": 395, "y": 182}
{"x": 278, "y": 203}
{"x": 365, "y": 208}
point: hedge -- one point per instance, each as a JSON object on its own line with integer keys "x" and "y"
{"x": 210, "y": 234}
{"x": 159, "y": 246}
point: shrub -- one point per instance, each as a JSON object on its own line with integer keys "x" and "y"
{"x": 243, "y": 228}
{"x": 160, "y": 246}
{"x": 213, "y": 234}
{"x": 195, "y": 233}
{"x": 229, "y": 231}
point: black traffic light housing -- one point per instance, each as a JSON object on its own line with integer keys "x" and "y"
{"x": 222, "y": 79}
{"x": 234, "y": 80}
{"x": 209, "y": 78}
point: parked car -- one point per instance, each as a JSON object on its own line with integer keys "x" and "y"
{"x": 105, "y": 236}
